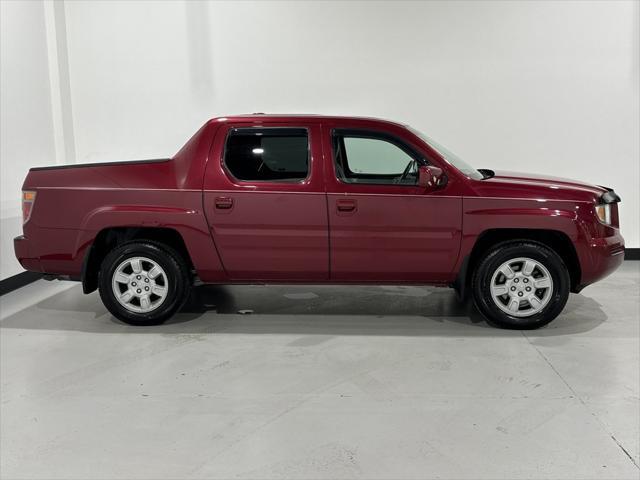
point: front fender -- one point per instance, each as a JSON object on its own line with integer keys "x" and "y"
{"x": 511, "y": 218}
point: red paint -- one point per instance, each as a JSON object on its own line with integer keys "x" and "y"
{"x": 319, "y": 230}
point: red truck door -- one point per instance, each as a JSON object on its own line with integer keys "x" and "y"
{"x": 265, "y": 202}
{"x": 382, "y": 226}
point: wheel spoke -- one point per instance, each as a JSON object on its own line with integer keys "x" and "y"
{"x": 158, "y": 290}
{"x": 154, "y": 272}
{"x": 136, "y": 265}
{"x": 144, "y": 302}
{"x": 126, "y": 296}
{"x": 499, "y": 290}
{"x": 121, "y": 278}
{"x": 514, "y": 304}
{"x": 507, "y": 271}
{"x": 542, "y": 283}
{"x": 535, "y": 302}
{"x": 528, "y": 267}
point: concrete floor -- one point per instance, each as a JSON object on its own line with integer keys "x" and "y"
{"x": 319, "y": 382}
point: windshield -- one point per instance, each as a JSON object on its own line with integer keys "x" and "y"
{"x": 450, "y": 157}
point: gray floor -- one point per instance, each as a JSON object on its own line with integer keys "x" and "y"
{"x": 319, "y": 382}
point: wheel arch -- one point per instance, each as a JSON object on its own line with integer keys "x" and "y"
{"x": 108, "y": 238}
{"x": 556, "y": 240}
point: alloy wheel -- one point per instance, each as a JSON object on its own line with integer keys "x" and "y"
{"x": 521, "y": 287}
{"x": 140, "y": 284}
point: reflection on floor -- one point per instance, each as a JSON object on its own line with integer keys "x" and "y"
{"x": 319, "y": 382}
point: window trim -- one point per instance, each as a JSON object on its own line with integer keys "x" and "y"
{"x": 338, "y": 134}
{"x": 229, "y": 174}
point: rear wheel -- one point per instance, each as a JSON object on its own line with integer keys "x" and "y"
{"x": 521, "y": 285}
{"x": 143, "y": 282}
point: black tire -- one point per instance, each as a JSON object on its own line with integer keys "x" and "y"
{"x": 504, "y": 252}
{"x": 175, "y": 269}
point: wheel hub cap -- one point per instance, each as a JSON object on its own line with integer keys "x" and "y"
{"x": 140, "y": 285}
{"x": 521, "y": 287}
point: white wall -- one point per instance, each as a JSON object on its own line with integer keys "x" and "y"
{"x": 26, "y": 128}
{"x": 547, "y": 87}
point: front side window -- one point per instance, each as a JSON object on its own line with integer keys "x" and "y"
{"x": 361, "y": 158}
{"x": 268, "y": 154}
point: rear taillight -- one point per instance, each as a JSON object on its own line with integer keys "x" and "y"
{"x": 28, "y": 199}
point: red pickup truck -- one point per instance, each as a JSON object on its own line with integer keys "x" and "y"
{"x": 317, "y": 199}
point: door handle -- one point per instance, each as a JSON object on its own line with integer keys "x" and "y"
{"x": 224, "y": 203}
{"x": 346, "y": 205}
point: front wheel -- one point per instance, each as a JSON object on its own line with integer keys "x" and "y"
{"x": 521, "y": 285}
{"x": 143, "y": 282}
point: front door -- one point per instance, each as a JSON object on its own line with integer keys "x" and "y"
{"x": 265, "y": 202}
{"x": 382, "y": 226}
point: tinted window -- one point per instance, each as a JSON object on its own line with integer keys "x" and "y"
{"x": 362, "y": 159}
{"x": 268, "y": 154}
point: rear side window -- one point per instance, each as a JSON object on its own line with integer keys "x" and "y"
{"x": 268, "y": 154}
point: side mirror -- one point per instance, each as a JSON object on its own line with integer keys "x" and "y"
{"x": 430, "y": 176}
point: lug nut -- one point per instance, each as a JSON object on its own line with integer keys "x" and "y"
{"x": 513, "y": 289}
{"x": 133, "y": 283}
{"x": 138, "y": 277}
{"x": 528, "y": 289}
{"x": 140, "y": 291}
{"x": 526, "y": 280}
{"x": 519, "y": 294}
{"x": 146, "y": 288}
{"x": 516, "y": 280}
{"x": 146, "y": 280}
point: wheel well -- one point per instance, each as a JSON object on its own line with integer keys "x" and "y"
{"x": 110, "y": 238}
{"x": 555, "y": 240}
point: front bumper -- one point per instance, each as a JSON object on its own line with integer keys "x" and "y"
{"x": 600, "y": 257}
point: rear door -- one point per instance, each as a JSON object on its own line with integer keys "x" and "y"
{"x": 383, "y": 227}
{"x": 265, "y": 202}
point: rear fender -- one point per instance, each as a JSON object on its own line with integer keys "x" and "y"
{"x": 189, "y": 223}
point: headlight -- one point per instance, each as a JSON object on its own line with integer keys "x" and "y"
{"x": 604, "y": 213}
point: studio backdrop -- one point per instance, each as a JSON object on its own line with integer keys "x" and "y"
{"x": 542, "y": 87}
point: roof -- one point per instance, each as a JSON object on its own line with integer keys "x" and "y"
{"x": 288, "y": 117}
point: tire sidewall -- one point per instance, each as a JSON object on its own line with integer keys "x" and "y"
{"x": 551, "y": 261}
{"x": 175, "y": 278}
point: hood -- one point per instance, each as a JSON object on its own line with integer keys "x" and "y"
{"x": 528, "y": 185}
